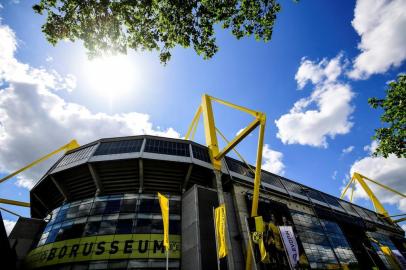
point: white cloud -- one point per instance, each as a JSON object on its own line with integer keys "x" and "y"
{"x": 49, "y": 59}
{"x": 9, "y": 225}
{"x": 334, "y": 176}
{"x": 35, "y": 120}
{"x": 272, "y": 160}
{"x": 348, "y": 150}
{"x": 325, "y": 113}
{"x": 327, "y": 71}
{"x": 12, "y": 70}
{"x": 371, "y": 148}
{"x": 381, "y": 25}
{"x": 389, "y": 171}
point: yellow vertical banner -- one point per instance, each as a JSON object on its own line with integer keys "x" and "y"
{"x": 220, "y": 228}
{"x": 164, "y": 203}
{"x": 258, "y": 238}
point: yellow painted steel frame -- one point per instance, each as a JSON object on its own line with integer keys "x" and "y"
{"x": 13, "y": 202}
{"x": 216, "y": 155}
{"x": 67, "y": 147}
{"x": 379, "y": 208}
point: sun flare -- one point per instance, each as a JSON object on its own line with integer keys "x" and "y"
{"x": 112, "y": 76}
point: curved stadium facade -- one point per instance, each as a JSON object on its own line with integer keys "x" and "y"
{"x": 101, "y": 211}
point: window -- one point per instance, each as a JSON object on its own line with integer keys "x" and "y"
{"x": 92, "y": 228}
{"x": 157, "y": 226}
{"x": 175, "y": 207}
{"x": 174, "y": 227}
{"x": 98, "y": 207}
{"x": 84, "y": 209}
{"x": 52, "y": 236}
{"x": 124, "y": 226}
{"x": 323, "y": 241}
{"x": 61, "y": 215}
{"x": 112, "y": 206}
{"x": 74, "y": 231}
{"x": 142, "y": 225}
{"x": 72, "y": 212}
{"x": 315, "y": 243}
{"x": 107, "y": 227}
{"x": 149, "y": 206}
{"x": 128, "y": 206}
{"x": 167, "y": 147}
{"x": 201, "y": 153}
{"x": 119, "y": 147}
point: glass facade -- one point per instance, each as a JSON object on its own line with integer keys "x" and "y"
{"x": 323, "y": 241}
{"x": 112, "y": 215}
{"x": 377, "y": 241}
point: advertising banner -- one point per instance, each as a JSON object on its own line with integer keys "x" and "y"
{"x": 164, "y": 203}
{"x": 104, "y": 247}
{"x": 290, "y": 244}
{"x": 220, "y": 222}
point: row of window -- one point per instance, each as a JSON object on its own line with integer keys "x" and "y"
{"x": 70, "y": 230}
{"x": 141, "y": 204}
{"x": 123, "y": 214}
{"x": 323, "y": 241}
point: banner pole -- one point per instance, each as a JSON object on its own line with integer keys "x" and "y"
{"x": 250, "y": 244}
{"x": 167, "y": 259}
{"x": 167, "y": 250}
{"x": 215, "y": 237}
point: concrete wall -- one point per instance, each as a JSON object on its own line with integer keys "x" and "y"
{"x": 6, "y": 254}
{"x": 24, "y": 236}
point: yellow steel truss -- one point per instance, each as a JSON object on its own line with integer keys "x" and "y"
{"x": 69, "y": 146}
{"x": 210, "y": 129}
{"x": 379, "y": 208}
{"x": 217, "y": 154}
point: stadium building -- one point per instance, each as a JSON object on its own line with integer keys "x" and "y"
{"x": 97, "y": 208}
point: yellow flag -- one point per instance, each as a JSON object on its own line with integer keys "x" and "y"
{"x": 258, "y": 238}
{"x": 220, "y": 218}
{"x": 164, "y": 203}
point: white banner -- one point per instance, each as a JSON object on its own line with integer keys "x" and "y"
{"x": 290, "y": 244}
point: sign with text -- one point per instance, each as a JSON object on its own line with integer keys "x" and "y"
{"x": 104, "y": 247}
{"x": 291, "y": 247}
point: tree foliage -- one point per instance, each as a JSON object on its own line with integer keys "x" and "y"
{"x": 392, "y": 137}
{"x": 115, "y": 25}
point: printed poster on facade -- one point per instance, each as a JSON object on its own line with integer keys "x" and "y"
{"x": 291, "y": 247}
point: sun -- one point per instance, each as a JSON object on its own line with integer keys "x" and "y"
{"x": 111, "y": 77}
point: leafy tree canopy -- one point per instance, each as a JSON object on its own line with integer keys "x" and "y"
{"x": 114, "y": 25}
{"x": 392, "y": 137}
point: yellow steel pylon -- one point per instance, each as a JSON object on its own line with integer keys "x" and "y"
{"x": 67, "y": 147}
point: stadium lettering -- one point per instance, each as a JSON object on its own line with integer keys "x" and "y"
{"x": 98, "y": 247}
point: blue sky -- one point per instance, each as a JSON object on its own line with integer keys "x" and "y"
{"x": 342, "y": 64}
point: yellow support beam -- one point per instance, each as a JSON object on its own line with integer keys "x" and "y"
{"x": 257, "y": 179}
{"x": 69, "y": 146}
{"x": 210, "y": 131}
{"x": 236, "y": 152}
{"x": 216, "y": 155}
{"x": 246, "y": 131}
{"x": 13, "y": 202}
{"x": 193, "y": 125}
{"x": 379, "y": 208}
